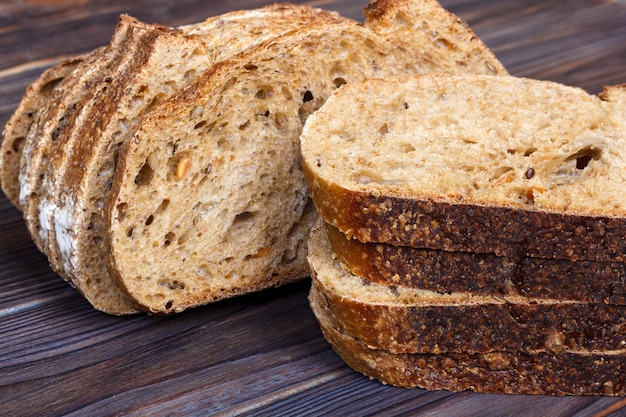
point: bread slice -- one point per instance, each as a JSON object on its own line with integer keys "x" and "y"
{"x": 532, "y": 373}
{"x": 81, "y": 169}
{"x": 18, "y": 126}
{"x": 477, "y": 163}
{"x": 208, "y": 198}
{"x": 481, "y": 273}
{"x": 83, "y": 129}
{"x": 59, "y": 111}
{"x": 408, "y": 320}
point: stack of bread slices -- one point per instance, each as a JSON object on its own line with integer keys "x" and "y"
{"x": 162, "y": 171}
{"x": 473, "y": 233}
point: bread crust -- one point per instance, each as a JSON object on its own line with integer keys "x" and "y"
{"x": 516, "y": 275}
{"x": 16, "y": 129}
{"x": 478, "y": 328}
{"x": 403, "y": 321}
{"x": 530, "y": 373}
{"x": 428, "y": 223}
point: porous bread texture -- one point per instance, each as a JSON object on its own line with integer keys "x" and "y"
{"x": 162, "y": 61}
{"x": 486, "y": 273}
{"x": 473, "y": 163}
{"x": 20, "y": 122}
{"x": 208, "y": 198}
{"x": 532, "y": 373}
{"x": 408, "y": 320}
{"x": 450, "y": 39}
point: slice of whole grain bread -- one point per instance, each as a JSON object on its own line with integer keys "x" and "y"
{"x": 532, "y": 373}
{"x": 481, "y": 273}
{"x": 208, "y": 198}
{"x": 485, "y": 164}
{"x": 83, "y": 129}
{"x": 18, "y": 126}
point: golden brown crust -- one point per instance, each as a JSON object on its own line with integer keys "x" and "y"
{"x": 443, "y": 271}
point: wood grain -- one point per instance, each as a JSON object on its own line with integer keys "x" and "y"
{"x": 261, "y": 354}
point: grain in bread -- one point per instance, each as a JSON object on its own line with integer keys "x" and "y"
{"x": 208, "y": 199}
{"x": 481, "y": 273}
{"x": 408, "y": 320}
{"x": 532, "y": 373}
{"x": 485, "y": 164}
{"x": 18, "y": 126}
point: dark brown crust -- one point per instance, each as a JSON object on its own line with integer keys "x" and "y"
{"x": 442, "y": 271}
{"x": 505, "y": 231}
{"x": 477, "y": 328}
{"x": 545, "y": 373}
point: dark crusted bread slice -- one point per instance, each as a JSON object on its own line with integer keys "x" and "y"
{"x": 532, "y": 373}
{"x": 409, "y": 320}
{"x": 491, "y": 164}
{"x": 81, "y": 167}
{"x": 481, "y": 273}
{"x": 208, "y": 199}
{"x": 18, "y": 126}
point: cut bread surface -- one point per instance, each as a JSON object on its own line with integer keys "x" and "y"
{"x": 249, "y": 230}
{"x": 454, "y": 154}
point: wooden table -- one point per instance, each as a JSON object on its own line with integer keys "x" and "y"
{"x": 258, "y": 354}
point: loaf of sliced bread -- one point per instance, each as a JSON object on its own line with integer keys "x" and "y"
{"x": 477, "y": 163}
{"x": 18, "y": 126}
{"x": 481, "y": 273}
{"x": 208, "y": 198}
{"x": 533, "y": 373}
{"x": 407, "y": 320}
{"x": 80, "y": 168}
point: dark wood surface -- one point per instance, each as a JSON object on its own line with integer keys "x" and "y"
{"x": 260, "y": 354}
